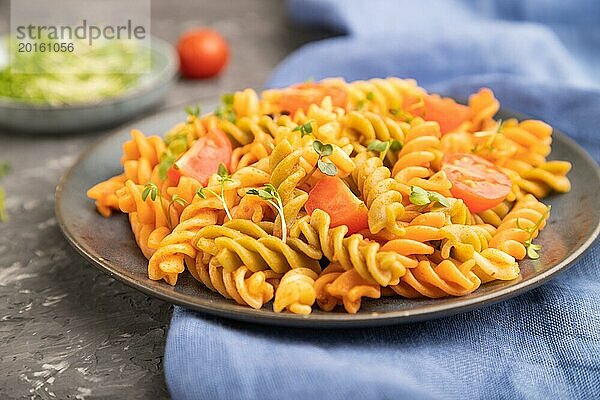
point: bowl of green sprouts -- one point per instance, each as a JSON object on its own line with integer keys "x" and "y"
{"x": 95, "y": 87}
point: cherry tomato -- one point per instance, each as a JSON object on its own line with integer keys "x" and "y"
{"x": 301, "y": 96}
{"x": 203, "y": 158}
{"x": 331, "y": 195}
{"x": 445, "y": 111}
{"x": 202, "y": 53}
{"x": 478, "y": 182}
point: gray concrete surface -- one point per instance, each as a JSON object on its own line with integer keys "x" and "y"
{"x": 66, "y": 330}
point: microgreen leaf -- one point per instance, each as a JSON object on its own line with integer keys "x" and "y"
{"x": 265, "y": 195}
{"x": 193, "y": 111}
{"x": 150, "y": 189}
{"x": 406, "y": 116}
{"x": 227, "y": 99}
{"x": 179, "y": 200}
{"x": 222, "y": 171}
{"x": 377, "y": 145}
{"x": 305, "y": 129}
{"x": 327, "y": 168}
{"x": 326, "y": 150}
{"x": 271, "y": 189}
{"x": 318, "y": 146}
{"x": 370, "y": 96}
{"x": 395, "y": 145}
{"x": 323, "y": 150}
{"x": 165, "y": 164}
{"x": 500, "y": 126}
{"x": 383, "y": 147}
{"x": 532, "y": 250}
{"x": 270, "y": 194}
{"x": 434, "y": 196}
{"x": 200, "y": 193}
{"x": 418, "y": 196}
{"x": 225, "y": 109}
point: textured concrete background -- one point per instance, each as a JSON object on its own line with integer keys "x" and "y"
{"x": 66, "y": 329}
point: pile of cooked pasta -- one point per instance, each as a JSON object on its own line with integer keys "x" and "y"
{"x": 325, "y": 193}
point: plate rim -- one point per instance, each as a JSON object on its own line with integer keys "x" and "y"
{"x": 317, "y": 321}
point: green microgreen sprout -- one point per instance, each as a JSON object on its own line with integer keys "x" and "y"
{"x": 420, "y": 197}
{"x": 532, "y": 249}
{"x": 403, "y": 115}
{"x": 305, "y": 129}
{"x": 4, "y": 170}
{"x": 271, "y": 196}
{"x": 328, "y": 168}
{"x": 176, "y": 142}
{"x": 225, "y": 109}
{"x": 491, "y": 138}
{"x": 176, "y": 199}
{"x": 166, "y": 162}
{"x": 150, "y": 189}
{"x": 370, "y": 96}
{"x": 323, "y": 150}
{"x": 223, "y": 178}
{"x": 384, "y": 147}
{"x": 193, "y": 112}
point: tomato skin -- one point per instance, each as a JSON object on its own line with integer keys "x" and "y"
{"x": 173, "y": 176}
{"x": 301, "y": 96}
{"x": 202, "y": 53}
{"x": 478, "y": 182}
{"x": 203, "y": 158}
{"x": 331, "y": 195}
{"x": 445, "y": 111}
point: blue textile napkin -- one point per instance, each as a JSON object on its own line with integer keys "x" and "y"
{"x": 540, "y": 57}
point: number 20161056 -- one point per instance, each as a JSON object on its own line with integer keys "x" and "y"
{"x": 28, "y": 47}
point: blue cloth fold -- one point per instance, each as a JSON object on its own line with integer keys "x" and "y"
{"x": 540, "y": 57}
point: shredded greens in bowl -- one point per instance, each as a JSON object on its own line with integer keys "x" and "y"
{"x": 56, "y": 78}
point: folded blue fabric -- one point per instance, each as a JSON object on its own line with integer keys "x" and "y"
{"x": 540, "y": 57}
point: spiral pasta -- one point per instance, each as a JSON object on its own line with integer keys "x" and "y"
{"x": 242, "y": 285}
{"x": 393, "y": 190}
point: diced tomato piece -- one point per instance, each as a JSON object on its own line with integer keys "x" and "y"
{"x": 478, "y": 182}
{"x": 331, "y": 195}
{"x": 301, "y": 96}
{"x": 203, "y": 158}
{"x": 173, "y": 176}
{"x": 445, "y": 111}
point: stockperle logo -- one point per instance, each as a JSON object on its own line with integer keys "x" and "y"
{"x": 41, "y": 29}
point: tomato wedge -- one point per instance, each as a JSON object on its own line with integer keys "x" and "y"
{"x": 203, "y": 158}
{"x": 332, "y": 195}
{"x": 445, "y": 111}
{"x": 478, "y": 182}
{"x": 301, "y": 96}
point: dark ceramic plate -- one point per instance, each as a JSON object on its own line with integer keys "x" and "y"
{"x": 109, "y": 245}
